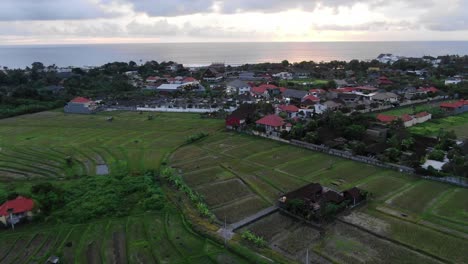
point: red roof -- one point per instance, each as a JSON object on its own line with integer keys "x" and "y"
{"x": 189, "y": 79}
{"x": 345, "y": 90}
{"x": 366, "y": 88}
{"x": 311, "y": 98}
{"x": 428, "y": 90}
{"x": 271, "y": 120}
{"x": 80, "y": 100}
{"x": 289, "y": 108}
{"x": 406, "y": 118}
{"x": 152, "y": 78}
{"x": 317, "y": 91}
{"x": 422, "y": 114}
{"x": 386, "y": 118}
{"x": 458, "y": 104}
{"x": 19, "y": 205}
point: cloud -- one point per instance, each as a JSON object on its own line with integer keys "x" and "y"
{"x": 450, "y": 15}
{"x": 158, "y": 28}
{"x": 370, "y": 26}
{"x": 20, "y": 10}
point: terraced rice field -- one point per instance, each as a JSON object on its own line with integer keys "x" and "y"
{"x": 52, "y": 146}
{"x": 265, "y": 169}
{"x": 55, "y": 145}
{"x": 152, "y": 238}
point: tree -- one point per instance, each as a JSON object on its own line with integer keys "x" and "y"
{"x": 437, "y": 154}
{"x": 353, "y": 132}
{"x": 393, "y": 154}
{"x": 285, "y": 63}
{"x": 311, "y": 137}
{"x": 407, "y": 143}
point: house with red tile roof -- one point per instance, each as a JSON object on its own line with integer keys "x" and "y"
{"x": 81, "y": 105}
{"x": 426, "y": 90}
{"x": 272, "y": 123}
{"x": 290, "y": 110}
{"x": 455, "y": 107}
{"x": 408, "y": 120}
{"x": 422, "y": 117}
{"x": 387, "y": 119}
{"x": 266, "y": 90}
{"x": 16, "y": 210}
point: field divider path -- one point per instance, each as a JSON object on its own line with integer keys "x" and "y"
{"x": 252, "y": 218}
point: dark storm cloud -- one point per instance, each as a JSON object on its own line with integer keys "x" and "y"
{"x": 50, "y": 10}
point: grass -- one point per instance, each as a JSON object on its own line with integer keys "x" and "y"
{"x": 383, "y": 184}
{"x": 34, "y": 148}
{"x": 222, "y": 192}
{"x": 457, "y": 123}
{"x": 418, "y": 198}
{"x": 454, "y": 206}
{"x": 269, "y": 168}
{"x": 347, "y": 244}
{"x": 238, "y": 174}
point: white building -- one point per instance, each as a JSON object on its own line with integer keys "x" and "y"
{"x": 284, "y": 75}
{"x": 453, "y": 81}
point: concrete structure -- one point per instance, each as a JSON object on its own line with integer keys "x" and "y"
{"x": 81, "y": 105}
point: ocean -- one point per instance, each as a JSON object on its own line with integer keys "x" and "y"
{"x": 199, "y": 54}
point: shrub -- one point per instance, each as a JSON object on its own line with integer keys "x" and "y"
{"x": 177, "y": 181}
{"x": 437, "y": 154}
{"x": 252, "y": 238}
{"x": 196, "y": 137}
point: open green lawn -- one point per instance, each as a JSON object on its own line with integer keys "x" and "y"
{"x": 457, "y": 123}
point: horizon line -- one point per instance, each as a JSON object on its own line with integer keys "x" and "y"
{"x": 224, "y": 42}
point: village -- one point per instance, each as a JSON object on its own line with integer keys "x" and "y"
{"x": 378, "y": 115}
{"x": 288, "y": 102}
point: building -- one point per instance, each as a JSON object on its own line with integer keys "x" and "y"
{"x": 290, "y": 110}
{"x": 408, "y": 120}
{"x": 453, "y": 81}
{"x": 455, "y": 108}
{"x": 239, "y": 117}
{"x": 388, "y": 58}
{"x": 238, "y": 86}
{"x": 16, "y": 210}
{"x": 292, "y": 95}
{"x": 314, "y": 197}
{"x": 284, "y": 75}
{"x": 272, "y": 123}
{"x": 385, "y": 97}
{"x": 212, "y": 75}
{"x": 81, "y": 105}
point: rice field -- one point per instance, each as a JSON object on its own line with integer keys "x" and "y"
{"x": 152, "y": 238}
{"x": 273, "y": 168}
{"x": 51, "y": 146}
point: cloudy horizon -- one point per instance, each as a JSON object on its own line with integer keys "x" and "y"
{"x": 153, "y": 21}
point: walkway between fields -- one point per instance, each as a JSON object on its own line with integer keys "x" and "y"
{"x": 228, "y": 232}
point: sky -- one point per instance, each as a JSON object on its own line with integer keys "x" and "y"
{"x": 152, "y": 21}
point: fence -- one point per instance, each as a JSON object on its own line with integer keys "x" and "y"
{"x": 459, "y": 181}
{"x": 452, "y": 180}
{"x": 351, "y": 156}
